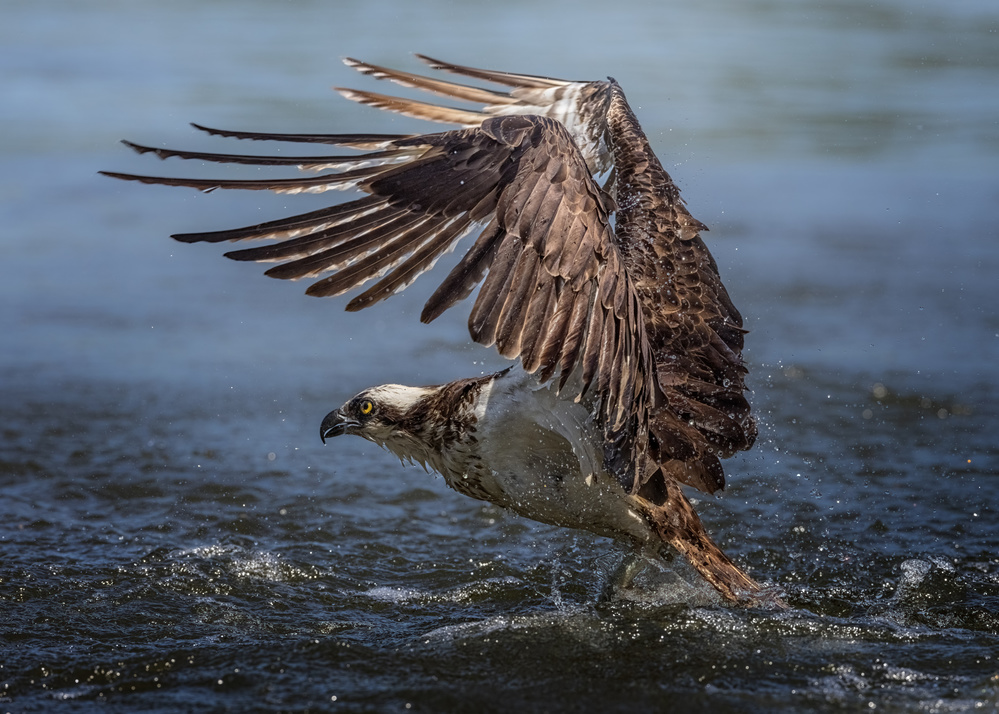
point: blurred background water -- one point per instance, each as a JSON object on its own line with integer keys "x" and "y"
{"x": 173, "y": 536}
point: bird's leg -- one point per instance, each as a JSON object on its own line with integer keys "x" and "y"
{"x": 624, "y": 574}
{"x": 679, "y": 527}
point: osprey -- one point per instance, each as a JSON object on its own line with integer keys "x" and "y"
{"x": 593, "y": 275}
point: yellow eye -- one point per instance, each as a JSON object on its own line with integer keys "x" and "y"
{"x": 366, "y": 407}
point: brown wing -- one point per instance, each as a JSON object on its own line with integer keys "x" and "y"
{"x": 580, "y": 106}
{"x": 554, "y": 290}
{"x": 642, "y": 311}
{"x": 694, "y": 329}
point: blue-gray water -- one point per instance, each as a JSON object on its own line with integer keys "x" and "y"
{"x": 174, "y": 537}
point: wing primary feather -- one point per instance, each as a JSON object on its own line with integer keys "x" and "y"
{"x": 286, "y": 227}
{"x": 463, "y": 278}
{"x": 510, "y": 324}
{"x": 413, "y": 108}
{"x": 590, "y": 352}
{"x": 483, "y": 319}
{"x": 316, "y": 184}
{"x": 384, "y": 258}
{"x": 615, "y": 371}
{"x": 608, "y": 345}
{"x": 575, "y": 332}
{"x": 428, "y": 84}
{"x": 507, "y": 78}
{"x": 419, "y": 262}
{"x": 385, "y": 237}
{"x": 330, "y": 162}
{"x": 554, "y": 338}
{"x": 364, "y": 226}
{"x": 539, "y": 312}
{"x": 356, "y": 141}
{"x": 329, "y": 250}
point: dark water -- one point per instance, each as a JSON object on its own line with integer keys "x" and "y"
{"x": 174, "y": 537}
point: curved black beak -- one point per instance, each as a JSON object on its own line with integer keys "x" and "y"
{"x": 334, "y": 424}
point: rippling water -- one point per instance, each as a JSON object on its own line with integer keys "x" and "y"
{"x": 173, "y": 535}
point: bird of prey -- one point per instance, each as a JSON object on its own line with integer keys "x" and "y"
{"x": 591, "y": 273}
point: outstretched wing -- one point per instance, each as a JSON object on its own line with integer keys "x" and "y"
{"x": 581, "y": 107}
{"x": 694, "y": 328}
{"x": 639, "y": 310}
{"x": 554, "y": 293}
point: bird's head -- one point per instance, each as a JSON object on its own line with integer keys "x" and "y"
{"x": 387, "y": 415}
